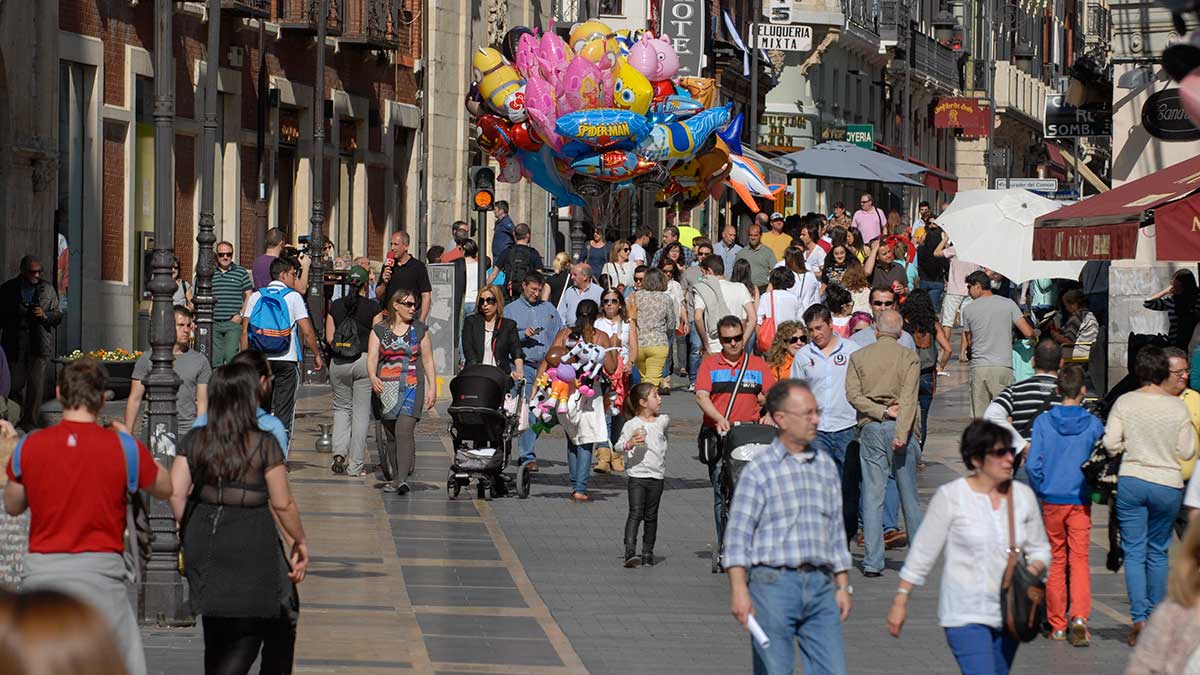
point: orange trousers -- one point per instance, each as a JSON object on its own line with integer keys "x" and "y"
{"x": 1069, "y": 527}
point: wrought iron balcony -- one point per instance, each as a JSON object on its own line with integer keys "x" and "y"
{"x": 894, "y": 21}
{"x": 259, "y": 9}
{"x": 935, "y": 61}
{"x": 301, "y": 15}
{"x": 1098, "y": 30}
{"x": 373, "y": 24}
{"x": 860, "y": 13}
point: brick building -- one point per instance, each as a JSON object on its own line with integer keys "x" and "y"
{"x": 105, "y": 132}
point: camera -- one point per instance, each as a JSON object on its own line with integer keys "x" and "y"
{"x": 293, "y": 252}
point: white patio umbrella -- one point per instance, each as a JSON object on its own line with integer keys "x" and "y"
{"x": 994, "y": 228}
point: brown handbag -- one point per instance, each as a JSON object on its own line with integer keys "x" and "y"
{"x": 1022, "y": 594}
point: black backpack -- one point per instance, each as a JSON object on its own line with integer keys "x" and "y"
{"x": 347, "y": 343}
{"x": 520, "y": 263}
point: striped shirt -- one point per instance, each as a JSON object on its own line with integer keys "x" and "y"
{"x": 229, "y": 287}
{"x": 1180, "y": 322}
{"x": 787, "y": 512}
{"x": 1023, "y": 400}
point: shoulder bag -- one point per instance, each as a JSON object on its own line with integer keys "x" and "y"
{"x": 1022, "y": 595}
{"x": 766, "y": 330}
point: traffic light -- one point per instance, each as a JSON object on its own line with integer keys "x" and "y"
{"x": 483, "y": 188}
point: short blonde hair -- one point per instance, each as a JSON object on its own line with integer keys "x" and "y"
{"x": 495, "y": 293}
{"x": 561, "y": 261}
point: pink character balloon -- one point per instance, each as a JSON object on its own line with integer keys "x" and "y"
{"x": 553, "y": 57}
{"x": 581, "y": 87}
{"x": 643, "y": 56}
{"x": 668, "y": 60}
{"x": 526, "y": 57}
{"x": 542, "y": 108}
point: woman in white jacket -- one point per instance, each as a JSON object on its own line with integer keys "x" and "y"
{"x": 968, "y": 519}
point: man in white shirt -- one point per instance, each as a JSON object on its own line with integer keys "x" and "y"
{"x": 822, "y": 363}
{"x": 814, "y": 255}
{"x": 581, "y": 288}
{"x": 637, "y": 250}
{"x": 728, "y": 247}
{"x": 713, "y": 297}
{"x": 285, "y": 368}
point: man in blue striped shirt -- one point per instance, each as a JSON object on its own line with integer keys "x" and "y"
{"x": 785, "y": 534}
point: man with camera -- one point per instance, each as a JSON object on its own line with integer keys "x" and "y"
{"x": 29, "y": 312}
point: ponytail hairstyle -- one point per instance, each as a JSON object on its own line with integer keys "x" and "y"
{"x": 635, "y": 399}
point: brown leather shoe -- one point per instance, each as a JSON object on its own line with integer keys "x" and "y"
{"x": 895, "y": 539}
{"x": 531, "y": 466}
{"x": 580, "y": 497}
{"x": 1134, "y": 632}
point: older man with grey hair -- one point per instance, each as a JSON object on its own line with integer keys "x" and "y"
{"x": 882, "y": 384}
{"x": 580, "y": 289}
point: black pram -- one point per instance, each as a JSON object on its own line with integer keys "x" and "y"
{"x": 738, "y": 448}
{"x": 483, "y": 421}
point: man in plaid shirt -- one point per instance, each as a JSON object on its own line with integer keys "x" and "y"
{"x": 785, "y": 527}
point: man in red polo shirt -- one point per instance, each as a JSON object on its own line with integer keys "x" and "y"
{"x": 715, "y": 385}
{"x": 75, "y": 478}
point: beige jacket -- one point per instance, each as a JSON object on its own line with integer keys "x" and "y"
{"x": 880, "y": 375}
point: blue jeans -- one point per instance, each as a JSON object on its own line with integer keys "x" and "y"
{"x": 835, "y": 443}
{"x": 797, "y": 605}
{"x": 925, "y": 398}
{"x": 891, "y": 506}
{"x": 878, "y": 458}
{"x": 981, "y": 650}
{"x": 527, "y": 440}
{"x": 693, "y": 364}
{"x": 579, "y": 463}
{"x": 936, "y": 290}
{"x": 1145, "y": 512}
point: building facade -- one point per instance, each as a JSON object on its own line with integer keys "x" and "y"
{"x": 264, "y": 150}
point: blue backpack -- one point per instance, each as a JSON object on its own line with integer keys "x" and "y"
{"x": 270, "y": 330}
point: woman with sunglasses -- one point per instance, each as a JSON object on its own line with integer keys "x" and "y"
{"x": 966, "y": 519}
{"x": 614, "y": 323}
{"x": 400, "y": 363}
{"x": 585, "y": 423}
{"x": 790, "y": 336}
{"x": 654, "y": 317}
{"x": 619, "y": 269}
{"x": 491, "y": 339}
{"x": 183, "y": 290}
{"x": 677, "y": 344}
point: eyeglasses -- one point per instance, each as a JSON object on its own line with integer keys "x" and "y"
{"x": 612, "y": 301}
{"x": 223, "y": 254}
{"x": 1179, "y": 373}
{"x": 1001, "y": 452}
{"x": 410, "y": 304}
{"x": 487, "y": 300}
{"x": 732, "y": 339}
{"x": 883, "y": 303}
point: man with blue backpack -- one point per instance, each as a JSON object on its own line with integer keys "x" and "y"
{"x": 276, "y": 322}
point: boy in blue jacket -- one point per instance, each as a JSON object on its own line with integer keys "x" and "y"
{"x": 1063, "y": 438}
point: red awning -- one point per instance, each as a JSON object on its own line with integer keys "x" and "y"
{"x": 1071, "y": 233}
{"x": 934, "y": 178}
{"x": 1057, "y": 164}
{"x": 1177, "y": 230}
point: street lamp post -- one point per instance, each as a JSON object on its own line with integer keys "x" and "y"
{"x": 206, "y": 237}
{"x": 316, "y": 269}
{"x": 160, "y": 599}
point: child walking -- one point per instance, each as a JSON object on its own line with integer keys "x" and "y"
{"x": 644, "y": 440}
{"x": 1063, "y": 438}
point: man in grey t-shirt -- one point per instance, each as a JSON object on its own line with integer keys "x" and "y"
{"x": 190, "y": 366}
{"x": 987, "y": 330}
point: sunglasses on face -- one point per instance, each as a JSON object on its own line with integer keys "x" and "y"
{"x": 732, "y": 339}
{"x": 407, "y": 304}
{"x": 638, "y": 279}
{"x": 795, "y": 339}
{"x": 612, "y": 301}
{"x": 1001, "y": 452}
{"x": 883, "y": 303}
{"x": 865, "y": 201}
{"x": 487, "y": 300}
{"x": 224, "y": 254}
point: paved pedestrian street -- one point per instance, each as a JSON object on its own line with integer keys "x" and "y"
{"x": 420, "y": 583}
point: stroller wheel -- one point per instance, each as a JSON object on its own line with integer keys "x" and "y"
{"x": 523, "y": 482}
{"x": 452, "y": 487}
{"x": 482, "y": 491}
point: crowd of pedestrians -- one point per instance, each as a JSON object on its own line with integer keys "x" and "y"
{"x": 834, "y": 330}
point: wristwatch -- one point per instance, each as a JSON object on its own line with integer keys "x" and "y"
{"x": 848, "y": 588}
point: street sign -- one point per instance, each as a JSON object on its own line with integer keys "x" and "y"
{"x": 862, "y": 135}
{"x": 788, "y": 38}
{"x": 1064, "y": 120}
{"x": 1031, "y": 184}
{"x": 778, "y": 11}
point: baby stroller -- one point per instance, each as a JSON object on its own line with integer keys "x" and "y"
{"x": 738, "y": 447}
{"x": 484, "y": 416}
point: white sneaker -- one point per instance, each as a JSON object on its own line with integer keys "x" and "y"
{"x": 692, "y": 387}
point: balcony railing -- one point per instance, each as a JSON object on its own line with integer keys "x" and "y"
{"x": 1019, "y": 92}
{"x": 1098, "y": 29}
{"x": 934, "y": 60}
{"x": 373, "y": 24}
{"x": 301, "y": 15}
{"x": 861, "y": 13}
{"x": 260, "y": 9}
{"x": 894, "y": 21}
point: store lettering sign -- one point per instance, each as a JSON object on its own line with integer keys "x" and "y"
{"x": 683, "y": 20}
{"x": 1164, "y": 118}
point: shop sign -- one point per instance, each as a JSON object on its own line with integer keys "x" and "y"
{"x": 683, "y": 20}
{"x": 1164, "y": 118}
{"x": 968, "y": 114}
{"x": 862, "y": 135}
{"x": 833, "y": 134}
{"x": 1064, "y": 120}
{"x": 780, "y": 132}
{"x": 1098, "y": 242}
{"x": 788, "y": 38}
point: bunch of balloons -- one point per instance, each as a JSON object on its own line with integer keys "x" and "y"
{"x": 598, "y": 116}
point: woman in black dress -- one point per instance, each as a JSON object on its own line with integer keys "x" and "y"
{"x": 229, "y": 478}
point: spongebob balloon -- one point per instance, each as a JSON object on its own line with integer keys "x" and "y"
{"x": 631, "y": 90}
{"x": 499, "y": 84}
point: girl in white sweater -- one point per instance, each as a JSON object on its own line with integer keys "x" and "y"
{"x": 644, "y": 440}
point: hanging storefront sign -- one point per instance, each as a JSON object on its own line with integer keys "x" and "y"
{"x": 862, "y": 135}
{"x": 782, "y": 133}
{"x": 1164, "y": 118}
{"x": 683, "y": 20}
{"x": 968, "y": 114}
{"x": 1064, "y": 120}
{"x": 788, "y": 38}
{"x": 1098, "y": 242}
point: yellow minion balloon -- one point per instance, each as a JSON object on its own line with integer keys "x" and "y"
{"x": 499, "y": 83}
{"x": 596, "y": 42}
{"x": 631, "y": 89}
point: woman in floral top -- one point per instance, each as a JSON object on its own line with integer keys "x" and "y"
{"x": 400, "y": 361}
